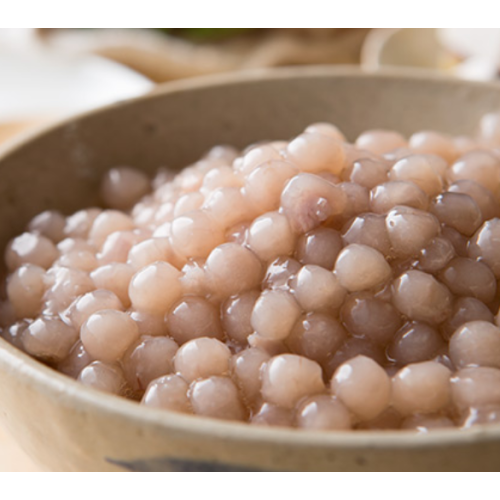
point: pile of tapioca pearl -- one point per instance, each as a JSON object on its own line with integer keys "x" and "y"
{"x": 315, "y": 283}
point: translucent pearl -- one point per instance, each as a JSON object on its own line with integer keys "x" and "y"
{"x": 116, "y": 278}
{"x": 30, "y": 248}
{"x": 236, "y": 315}
{"x": 147, "y": 252}
{"x": 90, "y": 303}
{"x": 323, "y": 413}
{"x": 25, "y": 289}
{"x": 421, "y": 388}
{"x": 465, "y": 309}
{"x": 202, "y": 358}
{"x": 362, "y": 386}
{"x": 155, "y": 288}
{"x": 150, "y": 359}
{"x": 107, "y": 334}
{"x": 216, "y": 397}
{"x": 121, "y": 187}
{"x": 480, "y": 166}
{"x": 169, "y": 393}
{"x": 475, "y": 387}
{"x": 49, "y": 224}
{"x": 485, "y": 245}
{"x": 274, "y": 314}
{"x": 430, "y": 142}
{"x": 326, "y": 129}
{"x": 316, "y": 153}
{"x": 79, "y": 224}
{"x": 380, "y": 141}
{"x": 483, "y": 197}
{"x": 228, "y": 206}
{"x": 103, "y": 377}
{"x": 458, "y": 211}
{"x": 319, "y": 247}
{"x": 390, "y": 194}
{"x": 272, "y": 415}
{"x": 193, "y": 317}
{"x": 77, "y": 359}
{"x": 288, "y": 378}
{"x": 281, "y": 273}
{"x": 109, "y": 222}
{"x": 360, "y": 267}
{"x": 368, "y": 229}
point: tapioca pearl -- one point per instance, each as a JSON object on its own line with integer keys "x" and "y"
{"x": 475, "y": 387}
{"x": 369, "y": 173}
{"x": 80, "y": 223}
{"x": 25, "y": 289}
{"x": 50, "y": 224}
{"x": 397, "y": 154}
{"x": 309, "y": 200}
{"x": 155, "y": 288}
{"x": 420, "y": 297}
{"x": 390, "y": 194}
{"x": 49, "y": 338}
{"x": 458, "y": 211}
{"x": 152, "y": 325}
{"x": 422, "y": 171}
{"x": 470, "y": 278}
{"x": 459, "y": 242}
{"x": 77, "y": 359}
{"x": 288, "y": 378}
{"x": 270, "y": 236}
{"x": 202, "y": 358}
{"x": 245, "y": 369}
{"x": 271, "y": 346}
{"x": 13, "y": 331}
{"x": 189, "y": 180}
{"x": 480, "y": 416}
{"x": 216, "y": 397}
{"x": 489, "y": 128}
{"x": 465, "y": 309}
{"x": 316, "y": 288}
{"x": 323, "y": 413}
{"x": 107, "y": 334}
{"x": 224, "y": 152}
{"x": 236, "y": 315}
{"x": 232, "y": 269}
{"x": 169, "y": 393}
{"x": 220, "y": 177}
{"x": 380, "y": 141}
{"x": 319, "y": 247}
{"x": 464, "y": 144}
{"x": 483, "y": 197}
{"x": 325, "y": 128}
{"x": 194, "y": 278}
{"x": 421, "y": 388}
{"x": 389, "y": 419}
{"x": 415, "y": 342}
{"x": 360, "y": 267}
{"x": 480, "y": 166}
{"x": 116, "y": 278}
{"x": 264, "y": 185}
{"x": 29, "y": 248}
{"x": 164, "y": 213}
{"x": 149, "y": 251}
{"x": 187, "y": 203}
{"x": 358, "y": 200}
{"x": 410, "y": 230}
{"x": 368, "y": 229}
{"x": 313, "y": 152}
{"x": 193, "y": 317}
{"x": 435, "y": 255}
{"x": 67, "y": 285}
{"x": 274, "y": 314}
{"x": 117, "y": 246}
{"x": 485, "y": 245}
{"x": 238, "y": 233}
{"x": 280, "y": 273}
{"x": 476, "y": 343}
{"x": 195, "y": 234}
{"x": 316, "y": 336}
{"x": 69, "y": 245}
{"x": 144, "y": 213}
{"x": 104, "y": 377}
{"x": 91, "y": 302}
{"x": 122, "y": 187}
{"x": 430, "y": 142}
{"x": 78, "y": 259}
{"x": 228, "y": 206}
{"x": 354, "y": 154}
{"x": 273, "y": 416}
{"x": 362, "y": 386}
{"x": 427, "y": 423}
{"x": 256, "y": 157}
{"x": 366, "y": 316}
{"x": 148, "y": 359}
{"x": 109, "y": 221}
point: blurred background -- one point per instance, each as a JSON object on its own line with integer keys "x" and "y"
{"x": 51, "y": 73}
{"x": 48, "y": 74}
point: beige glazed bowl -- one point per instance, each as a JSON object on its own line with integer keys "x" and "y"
{"x": 66, "y": 426}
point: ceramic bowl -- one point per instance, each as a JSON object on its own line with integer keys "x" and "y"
{"x": 66, "y": 426}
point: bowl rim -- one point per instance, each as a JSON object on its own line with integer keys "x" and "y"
{"x": 70, "y": 392}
